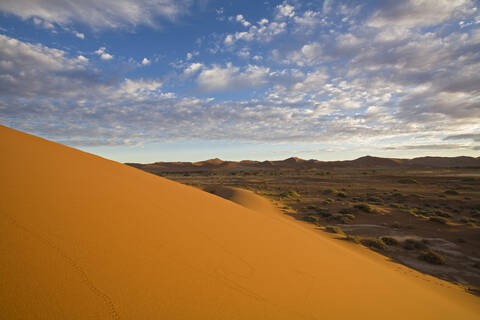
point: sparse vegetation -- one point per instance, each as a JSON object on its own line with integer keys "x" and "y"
{"x": 354, "y": 239}
{"x": 329, "y": 191}
{"x": 452, "y": 192}
{"x": 408, "y": 181}
{"x": 364, "y": 207}
{"x": 373, "y": 243}
{"x": 413, "y": 244}
{"x": 289, "y": 194}
{"x": 432, "y": 257}
{"x": 334, "y": 229}
{"x": 437, "y": 219}
{"x": 389, "y": 241}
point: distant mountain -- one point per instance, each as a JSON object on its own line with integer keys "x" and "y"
{"x": 297, "y": 163}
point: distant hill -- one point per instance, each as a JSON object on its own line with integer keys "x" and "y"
{"x": 295, "y": 163}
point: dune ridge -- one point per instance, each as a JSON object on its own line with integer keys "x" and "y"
{"x": 85, "y": 237}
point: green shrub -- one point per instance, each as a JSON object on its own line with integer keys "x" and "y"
{"x": 389, "y": 241}
{"x": 432, "y": 257}
{"x": 408, "y": 181}
{"x": 422, "y": 212}
{"x": 395, "y": 225}
{"x": 289, "y": 194}
{"x": 452, "y": 192}
{"x": 373, "y": 243}
{"x": 374, "y": 199}
{"x": 364, "y": 207}
{"x": 334, "y": 229}
{"x": 437, "y": 219}
{"x": 443, "y": 214}
{"x": 329, "y": 191}
{"x": 413, "y": 244}
{"x": 328, "y": 201}
{"x": 341, "y": 218}
{"x": 311, "y": 219}
{"x": 346, "y": 210}
{"x": 354, "y": 239}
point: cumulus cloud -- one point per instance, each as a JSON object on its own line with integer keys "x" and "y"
{"x": 358, "y": 82}
{"x": 418, "y": 13}
{"x": 241, "y": 19}
{"x": 103, "y": 54}
{"x": 228, "y": 78}
{"x": 97, "y": 13}
{"x": 285, "y": 10}
{"x": 146, "y": 61}
{"x": 264, "y": 32}
{"x": 193, "y": 69}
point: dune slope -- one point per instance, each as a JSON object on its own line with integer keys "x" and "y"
{"x": 87, "y": 238}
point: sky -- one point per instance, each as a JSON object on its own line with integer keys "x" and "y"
{"x": 186, "y": 80}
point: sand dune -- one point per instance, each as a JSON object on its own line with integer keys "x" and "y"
{"x": 87, "y": 238}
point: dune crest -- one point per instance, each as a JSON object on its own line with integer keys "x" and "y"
{"x": 84, "y": 237}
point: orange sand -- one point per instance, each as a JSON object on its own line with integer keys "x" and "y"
{"x": 87, "y": 238}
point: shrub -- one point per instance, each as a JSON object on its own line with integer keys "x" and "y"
{"x": 452, "y": 192}
{"x": 422, "y": 212}
{"x": 408, "y": 181}
{"x": 334, "y": 229}
{"x": 341, "y": 218}
{"x": 432, "y": 257}
{"x": 354, "y": 239}
{"x": 289, "y": 194}
{"x": 322, "y": 211}
{"x": 413, "y": 244}
{"x": 374, "y": 199}
{"x": 395, "y": 225}
{"x": 341, "y": 195}
{"x": 328, "y": 201}
{"x": 443, "y": 214}
{"x": 364, "y": 207}
{"x": 329, "y": 191}
{"x": 346, "y": 210}
{"x": 389, "y": 241}
{"x": 311, "y": 219}
{"x": 437, "y": 219}
{"x": 373, "y": 243}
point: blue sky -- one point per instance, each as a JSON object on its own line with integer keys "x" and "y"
{"x": 169, "y": 80}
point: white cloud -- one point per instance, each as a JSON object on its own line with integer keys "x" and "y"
{"x": 242, "y": 20}
{"x": 82, "y": 58}
{"x": 309, "y": 21}
{"x": 146, "y": 61}
{"x": 263, "y": 21}
{"x": 79, "y": 35}
{"x": 103, "y": 55}
{"x": 266, "y": 32}
{"x": 97, "y": 13}
{"x": 43, "y": 23}
{"x": 227, "y": 78}
{"x": 285, "y": 10}
{"x": 193, "y": 69}
{"x": 418, "y": 13}
{"x": 309, "y": 54}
